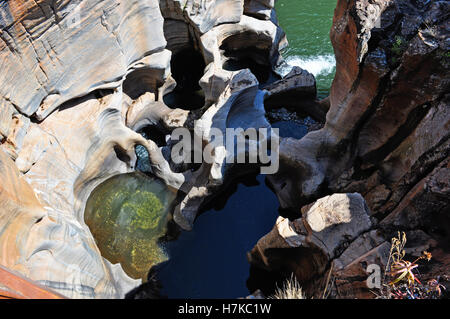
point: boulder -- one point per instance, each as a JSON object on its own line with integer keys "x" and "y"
{"x": 297, "y": 92}
{"x": 306, "y": 246}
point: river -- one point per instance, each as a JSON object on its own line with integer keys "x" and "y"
{"x": 307, "y": 25}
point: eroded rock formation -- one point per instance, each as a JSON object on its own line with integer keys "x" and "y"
{"x": 78, "y": 80}
{"x": 306, "y": 245}
{"x": 386, "y": 134}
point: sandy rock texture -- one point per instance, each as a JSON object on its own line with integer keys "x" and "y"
{"x": 78, "y": 80}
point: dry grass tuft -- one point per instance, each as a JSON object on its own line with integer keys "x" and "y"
{"x": 291, "y": 290}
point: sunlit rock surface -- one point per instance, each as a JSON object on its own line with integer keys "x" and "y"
{"x": 305, "y": 246}
{"x": 79, "y": 79}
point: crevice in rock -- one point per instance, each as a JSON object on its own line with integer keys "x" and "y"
{"x": 187, "y": 69}
{"x": 249, "y": 56}
{"x": 139, "y": 82}
{"x": 413, "y": 119}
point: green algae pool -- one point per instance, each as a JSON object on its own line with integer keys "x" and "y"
{"x": 127, "y": 214}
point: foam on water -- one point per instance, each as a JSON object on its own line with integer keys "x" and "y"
{"x": 317, "y": 65}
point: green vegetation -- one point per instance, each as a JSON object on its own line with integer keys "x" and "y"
{"x": 403, "y": 275}
{"x": 397, "y": 49}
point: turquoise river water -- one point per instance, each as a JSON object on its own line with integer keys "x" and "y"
{"x": 307, "y": 25}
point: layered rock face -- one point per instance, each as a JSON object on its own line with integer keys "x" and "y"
{"x": 388, "y": 107}
{"x": 306, "y": 245}
{"x": 386, "y": 134}
{"x": 78, "y": 79}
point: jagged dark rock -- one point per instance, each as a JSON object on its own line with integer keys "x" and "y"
{"x": 386, "y": 134}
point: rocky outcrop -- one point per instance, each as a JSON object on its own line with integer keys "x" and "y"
{"x": 306, "y": 246}
{"x": 37, "y": 45}
{"x": 296, "y": 91}
{"x": 386, "y": 134}
{"x": 79, "y": 79}
{"x": 390, "y": 86}
{"x": 261, "y": 9}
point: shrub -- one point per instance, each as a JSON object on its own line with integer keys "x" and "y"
{"x": 404, "y": 282}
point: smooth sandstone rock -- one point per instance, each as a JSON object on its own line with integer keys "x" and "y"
{"x": 313, "y": 241}
{"x": 105, "y": 31}
{"x": 80, "y": 78}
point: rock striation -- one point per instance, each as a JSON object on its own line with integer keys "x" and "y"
{"x": 386, "y": 134}
{"x": 78, "y": 80}
{"x": 307, "y": 245}
{"x": 81, "y": 79}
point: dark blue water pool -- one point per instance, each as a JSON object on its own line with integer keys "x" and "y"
{"x": 210, "y": 261}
